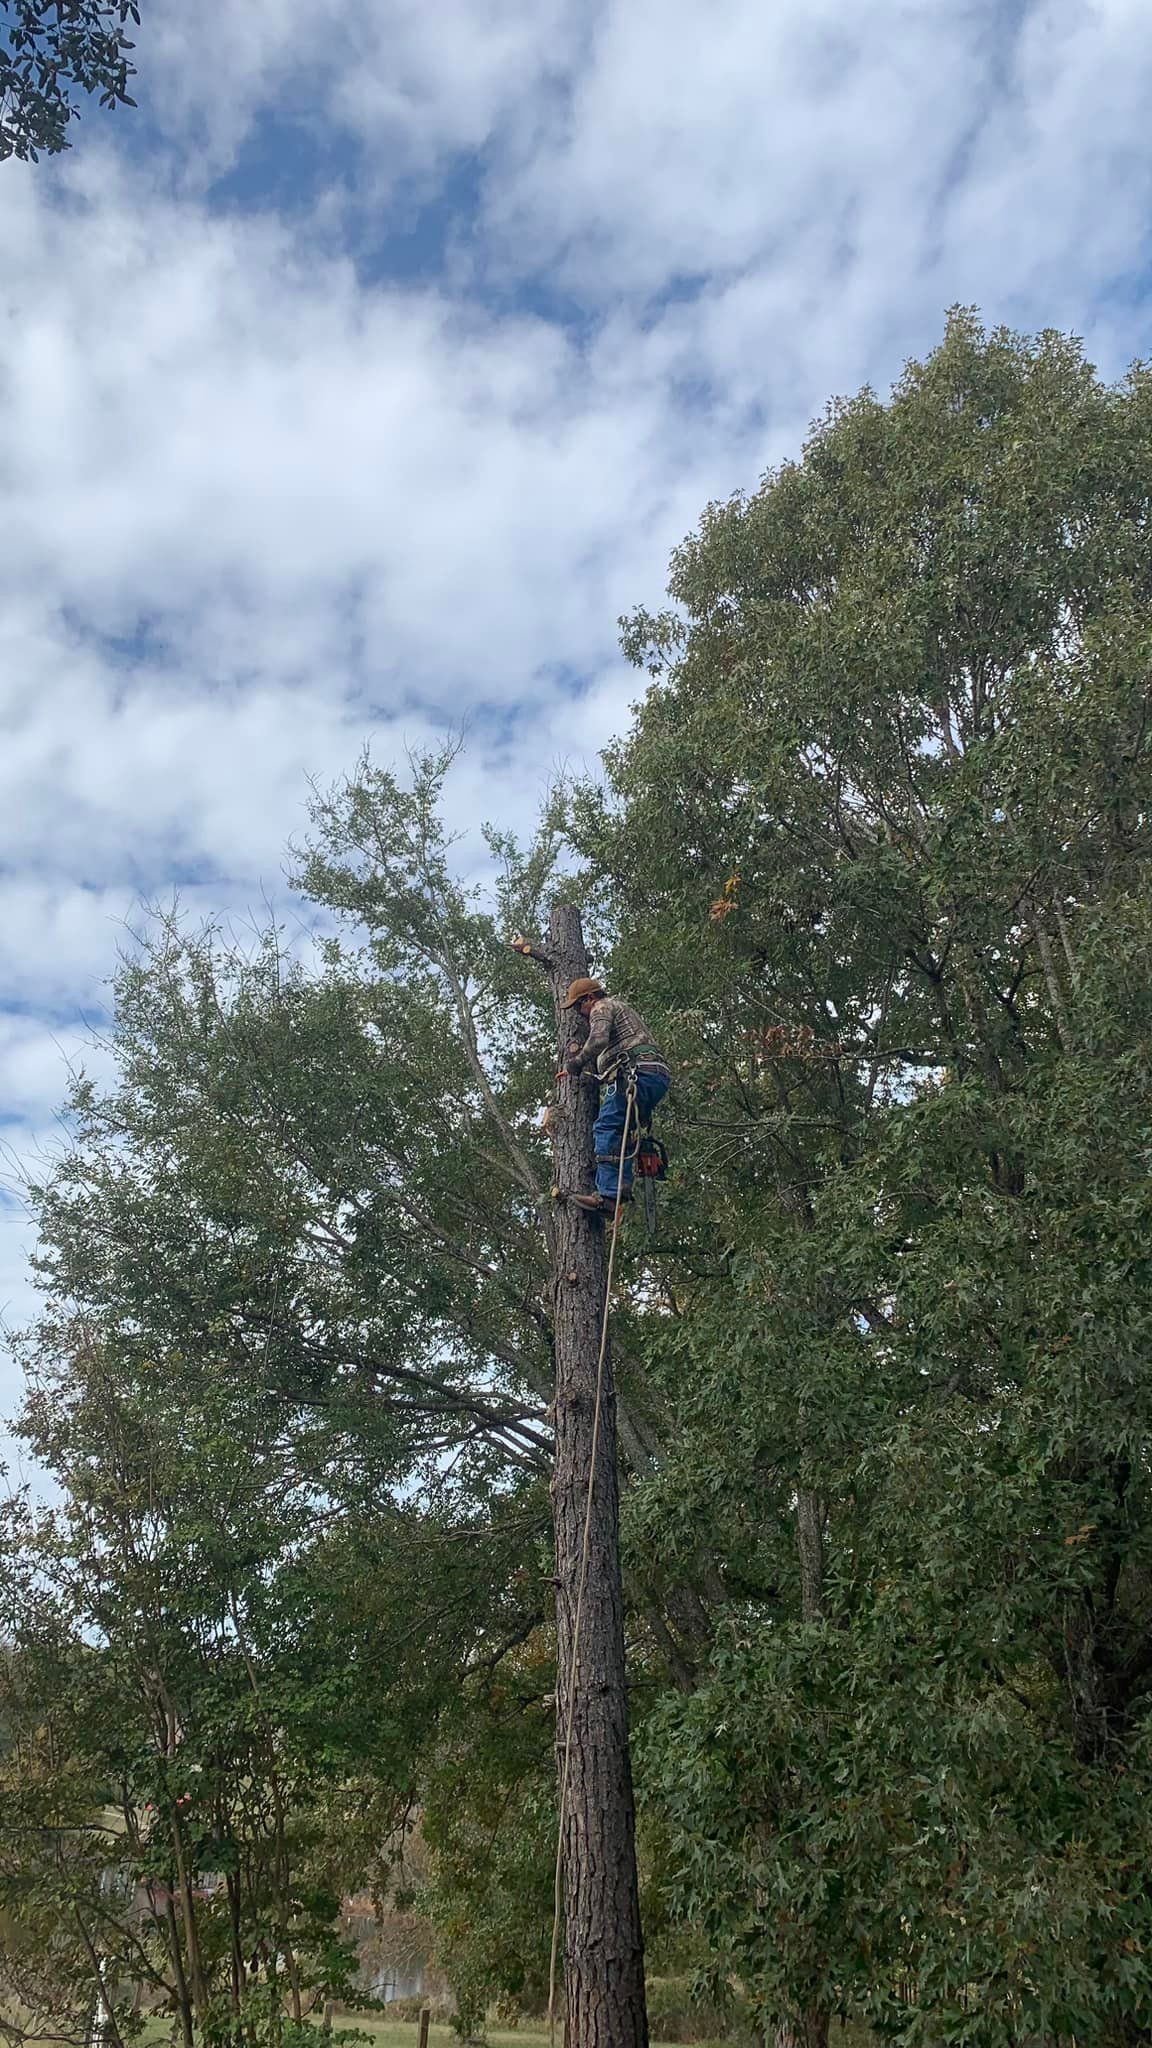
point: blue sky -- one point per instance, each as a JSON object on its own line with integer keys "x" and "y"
{"x": 365, "y": 375}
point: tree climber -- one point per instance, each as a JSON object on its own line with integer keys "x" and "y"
{"x": 618, "y": 1049}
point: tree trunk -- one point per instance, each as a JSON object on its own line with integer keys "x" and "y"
{"x": 188, "y": 1911}
{"x": 603, "y": 1945}
{"x": 232, "y": 1881}
{"x": 803, "y": 2030}
{"x": 104, "y": 2025}
{"x": 810, "y": 1544}
{"x": 183, "y": 2001}
{"x": 1052, "y": 984}
{"x": 808, "y": 2029}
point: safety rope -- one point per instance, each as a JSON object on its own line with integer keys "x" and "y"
{"x": 557, "y": 1901}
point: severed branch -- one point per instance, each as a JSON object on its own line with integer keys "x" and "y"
{"x": 531, "y": 952}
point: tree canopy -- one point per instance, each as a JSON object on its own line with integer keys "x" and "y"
{"x": 872, "y": 861}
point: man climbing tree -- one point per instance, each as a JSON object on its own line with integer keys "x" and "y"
{"x": 597, "y": 1905}
{"x": 618, "y": 1049}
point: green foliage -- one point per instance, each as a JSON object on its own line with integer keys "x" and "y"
{"x": 489, "y": 1819}
{"x": 291, "y": 1376}
{"x": 680, "y": 2009}
{"x": 898, "y": 740}
{"x": 187, "y": 1785}
{"x": 48, "y": 48}
{"x": 873, "y": 862}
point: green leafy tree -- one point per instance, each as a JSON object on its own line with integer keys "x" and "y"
{"x": 328, "y": 1196}
{"x": 50, "y": 50}
{"x": 877, "y": 848}
{"x": 340, "y": 1179}
{"x": 193, "y": 1777}
{"x": 873, "y": 863}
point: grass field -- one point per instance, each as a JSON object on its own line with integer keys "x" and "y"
{"x": 385, "y": 2033}
{"x": 405, "y": 2033}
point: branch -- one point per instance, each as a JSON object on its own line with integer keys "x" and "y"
{"x": 521, "y": 1165}
{"x": 531, "y": 952}
{"x": 431, "y": 1396}
{"x": 488, "y": 1664}
{"x": 9, "y": 2031}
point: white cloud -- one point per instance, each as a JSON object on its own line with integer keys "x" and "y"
{"x": 257, "y": 509}
{"x": 411, "y": 82}
{"x": 291, "y": 475}
{"x": 32, "y": 1062}
{"x": 853, "y": 167}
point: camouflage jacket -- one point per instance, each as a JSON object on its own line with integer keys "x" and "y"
{"x": 614, "y": 1029}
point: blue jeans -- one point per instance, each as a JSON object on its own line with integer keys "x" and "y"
{"x": 651, "y": 1087}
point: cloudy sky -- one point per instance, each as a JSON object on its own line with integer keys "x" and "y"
{"x": 359, "y": 380}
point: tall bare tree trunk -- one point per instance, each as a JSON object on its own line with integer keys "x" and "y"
{"x": 808, "y": 2029}
{"x": 603, "y": 1944}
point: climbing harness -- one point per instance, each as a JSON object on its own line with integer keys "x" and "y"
{"x": 649, "y": 1156}
{"x": 557, "y": 1899}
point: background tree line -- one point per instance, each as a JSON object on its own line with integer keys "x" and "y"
{"x": 872, "y": 861}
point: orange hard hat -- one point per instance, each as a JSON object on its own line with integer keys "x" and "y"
{"x": 584, "y": 985}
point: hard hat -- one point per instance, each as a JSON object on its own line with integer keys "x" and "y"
{"x": 584, "y": 985}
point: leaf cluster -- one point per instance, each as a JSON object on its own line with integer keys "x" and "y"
{"x": 48, "y": 50}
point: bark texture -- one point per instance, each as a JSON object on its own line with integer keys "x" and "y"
{"x": 810, "y": 1544}
{"x": 603, "y": 1943}
{"x": 804, "y": 2030}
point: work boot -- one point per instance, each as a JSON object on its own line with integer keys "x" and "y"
{"x": 599, "y": 1205}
